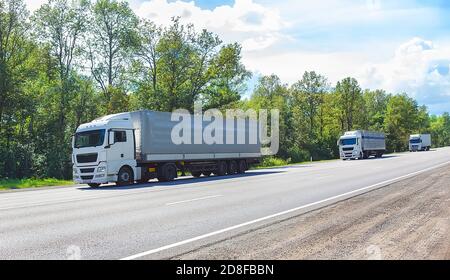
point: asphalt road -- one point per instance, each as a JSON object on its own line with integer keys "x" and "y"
{"x": 163, "y": 220}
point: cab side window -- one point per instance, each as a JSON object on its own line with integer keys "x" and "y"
{"x": 120, "y": 136}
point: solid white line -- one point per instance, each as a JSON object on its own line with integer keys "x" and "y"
{"x": 195, "y": 199}
{"x": 341, "y": 196}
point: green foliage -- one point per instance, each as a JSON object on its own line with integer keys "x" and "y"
{"x": 73, "y": 61}
{"x": 9, "y": 184}
{"x": 273, "y": 161}
{"x": 401, "y": 121}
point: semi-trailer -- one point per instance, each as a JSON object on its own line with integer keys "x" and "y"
{"x": 361, "y": 144}
{"x": 143, "y": 145}
{"x": 419, "y": 142}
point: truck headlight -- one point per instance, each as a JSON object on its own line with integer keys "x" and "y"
{"x": 101, "y": 169}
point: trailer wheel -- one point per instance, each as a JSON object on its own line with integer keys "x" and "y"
{"x": 242, "y": 167}
{"x": 221, "y": 168}
{"x": 196, "y": 174}
{"x": 168, "y": 173}
{"x": 125, "y": 176}
{"x": 232, "y": 167}
{"x": 94, "y": 186}
{"x": 207, "y": 173}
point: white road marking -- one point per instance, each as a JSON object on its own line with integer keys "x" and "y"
{"x": 192, "y": 200}
{"x": 337, "y": 197}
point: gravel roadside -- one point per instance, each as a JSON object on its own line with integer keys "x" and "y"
{"x": 405, "y": 220}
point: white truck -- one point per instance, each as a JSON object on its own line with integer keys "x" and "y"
{"x": 361, "y": 144}
{"x": 138, "y": 146}
{"x": 419, "y": 142}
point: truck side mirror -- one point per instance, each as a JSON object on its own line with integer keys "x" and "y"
{"x": 110, "y": 139}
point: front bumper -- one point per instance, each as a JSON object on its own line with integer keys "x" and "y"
{"x": 92, "y": 176}
{"x": 349, "y": 155}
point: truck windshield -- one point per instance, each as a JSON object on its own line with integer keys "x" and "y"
{"x": 92, "y": 138}
{"x": 348, "y": 142}
{"x": 415, "y": 141}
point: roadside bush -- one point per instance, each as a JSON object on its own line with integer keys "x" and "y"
{"x": 273, "y": 161}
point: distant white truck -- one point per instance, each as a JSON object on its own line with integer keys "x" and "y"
{"x": 362, "y": 144}
{"x": 419, "y": 142}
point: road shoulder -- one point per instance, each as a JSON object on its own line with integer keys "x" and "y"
{"x": 409, "y": 219}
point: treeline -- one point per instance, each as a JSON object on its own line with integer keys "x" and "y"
{"x": 68, "y": 63}
{"x": 314, "y": 115}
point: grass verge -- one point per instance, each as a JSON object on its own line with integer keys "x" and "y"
{"x": 11, "y": 184}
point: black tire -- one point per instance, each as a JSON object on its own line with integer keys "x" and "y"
{"x": 242, "y": 167}
{"x": 125, "y": 176}
{"x": 207, "y": 173}
{"x": 168, "y": 173}
{"x": 94, "y": 186}
{"x": 221, "y": 168}
{"x": 365, "y": 155}
{"x": 232, "y": 167}
{"x": 196, "y": 174}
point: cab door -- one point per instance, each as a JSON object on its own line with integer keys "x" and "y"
{"x": 121, "y": 150}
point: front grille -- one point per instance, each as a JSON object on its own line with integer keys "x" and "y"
{"x": 87, "y": 170}
{"x": 347, "y": 149}
{"x": 87, "y": 177}
{"x": 86, "y": 158}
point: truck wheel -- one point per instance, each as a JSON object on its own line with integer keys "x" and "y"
{"x": 207, "y": 173}
{"x": 168, "y": 173}
{"x": 221, "y": 168}
{"x": 125, "y": 177}
{"x": 242, "y": 167}
{"x": 196, "y": 174}
{"x": 232, "y": 167}
{"x": 365, "y": 155}
{"x": 94, "y": 186}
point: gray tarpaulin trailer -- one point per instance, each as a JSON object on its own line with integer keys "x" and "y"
{"x": 153, "y": 131}
{"x": 156, "y": 151}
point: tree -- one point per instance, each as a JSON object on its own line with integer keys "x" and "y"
{"x": 349, "y": 101}
{"x": 14, "y": 51}
{"x": 112, "y": 40}
{"x": 400, "y": 122}
{"x": 227, "y": 76}
{"x": 375, "y": 104}
{"x": 308, "y": 97}
{"x": 145, "y": 67}
{"x": 59, "y": 25}
{"x": 270, "y": 93}
{"x": 440, "y": 130}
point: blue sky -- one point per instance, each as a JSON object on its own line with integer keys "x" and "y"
{"x": 399, "y": 46}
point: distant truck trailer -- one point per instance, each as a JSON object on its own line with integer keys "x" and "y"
{"x": 419, "y": 142}
{"x": 361, "y": 144}
{"x": 138, "y": 146}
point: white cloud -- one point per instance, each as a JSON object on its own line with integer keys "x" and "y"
{"x": 247, "y": 22}
{"x": 33, "y": 5}
{"x": 419, "y": 68}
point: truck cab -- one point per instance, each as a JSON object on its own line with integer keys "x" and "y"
{"x": 104, "y": 151}
{"x": 350, "y": 145}
{"x": 361, "y": 144}
{"x": 419, "y": 142}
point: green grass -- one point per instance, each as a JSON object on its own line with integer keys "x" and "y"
{"x": 269, "y": 162}
{"x": 10, "y": 184}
